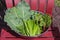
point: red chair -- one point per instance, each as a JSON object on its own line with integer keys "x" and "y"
{"x": 45, "y": 6}
{"x": 41, "y": 5}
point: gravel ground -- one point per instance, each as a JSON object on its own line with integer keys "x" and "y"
{"x": 56, "y": 17}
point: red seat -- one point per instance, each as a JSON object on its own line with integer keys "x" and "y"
{"x": 42, "y": 5}
{"x": 34, "y": 5}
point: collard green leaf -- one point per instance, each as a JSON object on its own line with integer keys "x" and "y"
{"x": 47, "y": 20}
{"x": 14, "y": 16}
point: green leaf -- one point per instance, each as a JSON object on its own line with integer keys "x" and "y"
{"x": 47, "y": 20}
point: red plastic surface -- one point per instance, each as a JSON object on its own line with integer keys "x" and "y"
{"x": 46, "y": 36}
{"x": 42, "y": 5}
{"x": 34, "y": 5}
{"x": 9, "y": 3}
{"x": 8, "y": 36}
{"x": 4, "y": 33}
{"x": 50, "y": 6}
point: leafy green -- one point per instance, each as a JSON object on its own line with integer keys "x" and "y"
{"x": 25, "y": 21}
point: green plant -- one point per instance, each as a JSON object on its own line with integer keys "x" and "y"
{"x": 57, "y": 2}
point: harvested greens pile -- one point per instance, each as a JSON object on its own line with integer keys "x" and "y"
{"x": 57, "y": 3}
{"x": 25, "y": 21}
